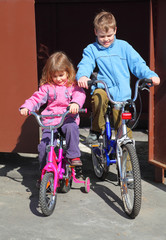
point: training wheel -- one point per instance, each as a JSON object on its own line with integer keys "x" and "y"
{"x": 87, "y": 184}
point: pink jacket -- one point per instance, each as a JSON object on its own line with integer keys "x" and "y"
{"x": 57, "y": 99}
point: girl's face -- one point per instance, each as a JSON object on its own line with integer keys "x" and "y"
{"x": 105, "y": 38}
{"x": 60, "y": 77}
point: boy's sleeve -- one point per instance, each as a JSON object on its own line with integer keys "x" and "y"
{"x": 78, "y": 96}
{"x": 87, "y": 64}
{"x": 137, "y": 64}
{"x": 36, "y": 100}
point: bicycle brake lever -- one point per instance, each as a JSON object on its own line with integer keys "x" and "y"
{"x": 146, "y": 84}
{"x": 145, "y": 88}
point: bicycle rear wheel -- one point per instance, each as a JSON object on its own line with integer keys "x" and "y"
{"x": 47, "y": 199}
{"x": 65, "y": 184}
{"x": 99, "y": 160}
{"x": 130, "y": 181}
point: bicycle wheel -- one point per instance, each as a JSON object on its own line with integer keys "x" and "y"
{"x": 65, "y": 184}
{"x": 130, "y": 181}
{"x": 87, "y": 184}
{"x": 99, "y": 160}
{"x": 46, "y": 198}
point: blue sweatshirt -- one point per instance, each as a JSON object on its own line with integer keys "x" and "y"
{"x": 114, "y": 64}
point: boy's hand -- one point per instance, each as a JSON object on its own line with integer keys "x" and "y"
{"x": 24, "y": 111}
{"x": 83, "y": 82}
{"x": 155, "y": 80}
{"x": 74, "y": 107}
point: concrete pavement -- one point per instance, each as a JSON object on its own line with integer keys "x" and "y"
{"x": 97, "y": 215}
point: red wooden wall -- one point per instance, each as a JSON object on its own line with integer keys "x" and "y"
{"x": 18, "y": 74}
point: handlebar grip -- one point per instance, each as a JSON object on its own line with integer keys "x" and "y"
{"x": 90, "y": 83}
{"x": 145, "y": 82}
{"x": 83, "y": 110}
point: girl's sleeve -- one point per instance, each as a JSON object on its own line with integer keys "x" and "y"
{"x": 36, "y": 100}
{"x": 87, "y": 64}
{"x": 78, "y": 96}
{"x": 137, "y": 64}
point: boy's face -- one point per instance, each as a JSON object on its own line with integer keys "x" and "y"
{"x": 105, "y": 38}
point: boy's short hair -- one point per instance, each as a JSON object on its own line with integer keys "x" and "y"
{"x": 104, "y": 21}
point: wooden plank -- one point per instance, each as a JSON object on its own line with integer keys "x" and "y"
{"x": 18, "y": 75}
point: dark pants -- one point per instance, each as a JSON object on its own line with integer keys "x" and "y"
{"x": 99, "y": 108}
{"x": 71, "y": 132}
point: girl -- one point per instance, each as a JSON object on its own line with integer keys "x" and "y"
{"x": 59, "y": 90}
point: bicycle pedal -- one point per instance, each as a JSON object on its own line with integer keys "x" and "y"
{"x": 95, "y": 145}
{"x": 71, "y": 166}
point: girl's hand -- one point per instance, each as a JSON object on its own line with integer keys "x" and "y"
{"x": 74, "y": 107}
{"x": 83, "y": 82}
{"x": 155, "y": 80}
{"x": 24, "y": 111}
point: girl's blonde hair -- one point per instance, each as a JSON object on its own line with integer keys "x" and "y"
{"x": 104, "y": 21}
{"x": 58, "y": 62}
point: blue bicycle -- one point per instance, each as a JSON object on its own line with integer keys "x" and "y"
{"x": 120, "y": 150}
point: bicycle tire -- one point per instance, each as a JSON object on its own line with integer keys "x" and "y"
{"x": 65, "y": 185}
{"x": 99, "y": 161}
{"x": 46, "y": 198}
{"x": 130, "y": 183}
{"x": 87, "y": 184}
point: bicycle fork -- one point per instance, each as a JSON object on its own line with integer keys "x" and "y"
{"x": 122, "y": 139}
{"x": 51, "y": 165}
{"x": 109, "y": 142}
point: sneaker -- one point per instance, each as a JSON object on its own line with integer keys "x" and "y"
{"x": 76, "y": 162}
{"x": 92, "y": 137}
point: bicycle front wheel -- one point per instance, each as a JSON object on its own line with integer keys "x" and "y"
{"x": 130, "y": 181}
{"x": 47, "y": 199}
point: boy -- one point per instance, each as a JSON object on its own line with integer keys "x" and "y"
{"x": 114, "y": 58}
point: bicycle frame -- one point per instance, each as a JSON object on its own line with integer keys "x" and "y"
{"x": 57, "y": 172}
{"x": 55, "y": 163}
{"x": 52, "y": 165}
{"x": 122, "y": 148}
{"x": 55, "y": 168}
{"x": 121, "y": 137}
{"x": 114, "y": 145}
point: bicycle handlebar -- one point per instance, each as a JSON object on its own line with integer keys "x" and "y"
{"x": 38, "y": 118}
{"x": 140, "y": 84}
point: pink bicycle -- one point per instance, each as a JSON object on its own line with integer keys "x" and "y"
{"x": 57, "y": 174}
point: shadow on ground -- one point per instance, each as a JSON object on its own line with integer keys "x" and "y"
{"x": 25, "y": 170}
{"x": 147, "y": 169}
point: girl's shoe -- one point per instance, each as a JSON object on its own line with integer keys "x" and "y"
{"x": 76, "y": 162}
